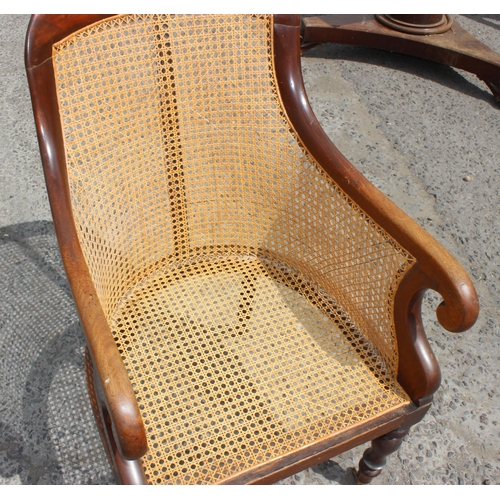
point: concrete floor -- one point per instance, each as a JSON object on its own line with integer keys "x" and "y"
{"x": 414, "y": 128}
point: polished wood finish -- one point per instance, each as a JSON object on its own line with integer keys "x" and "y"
{"x": 375, "y": 458}
{"x": 416, "y": 24}
{"x": 425, "y": 20}
{"x": 453, "y": 47}
{"x": 44, "y": 31}
{"x": 321, "y": 451}
{"x": 111, "y": 392}
{"x": 126, "y": 471}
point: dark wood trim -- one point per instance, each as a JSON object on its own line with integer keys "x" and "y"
{"x": 418, "y": 370}
{"x": 375, "y": 458}
{"x": 125, "y": 471}
{"x": 320, "y": 451}
{"x": 119, "y": 396}
{"x": 45, "y": 30}
{"x": 324, "y": 449}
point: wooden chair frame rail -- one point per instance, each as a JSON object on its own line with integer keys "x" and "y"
{"x": 435, "y": 268}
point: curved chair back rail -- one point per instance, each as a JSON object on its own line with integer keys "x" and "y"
{"x": 250, "y": 301}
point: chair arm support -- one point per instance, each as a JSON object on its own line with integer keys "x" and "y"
{"x": 418, "y": 371}
{"x": 117, "y": 392}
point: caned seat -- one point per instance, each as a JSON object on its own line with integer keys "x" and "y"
{"x": 238, "y": 360}
{"x": 250, "y": 301}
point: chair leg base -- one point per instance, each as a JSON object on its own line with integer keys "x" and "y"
{"x": 375, "y": 458}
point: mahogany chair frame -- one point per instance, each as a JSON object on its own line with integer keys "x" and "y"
{"x": 112, "y": 396}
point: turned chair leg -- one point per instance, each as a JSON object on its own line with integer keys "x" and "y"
{"x": 374, "y": 458}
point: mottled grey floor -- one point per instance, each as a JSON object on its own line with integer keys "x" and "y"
{"x": 414, "y": 128}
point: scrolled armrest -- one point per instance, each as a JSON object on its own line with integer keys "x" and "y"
{"x": 460, "y": 307}
{"x": 438, "y": 270}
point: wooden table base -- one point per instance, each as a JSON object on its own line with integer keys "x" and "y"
{"x": 453, "y": 47}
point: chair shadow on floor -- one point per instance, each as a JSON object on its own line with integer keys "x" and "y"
{"x": 332, "y": 471}
{"x": 428, "y": 70}
{"x": 491, "y": 20}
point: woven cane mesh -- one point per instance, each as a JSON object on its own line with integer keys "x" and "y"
{"x": 250, "y": 298}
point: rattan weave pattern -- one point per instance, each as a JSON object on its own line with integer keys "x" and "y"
{"x": 233, "y": 366}
{"x": 250, "y": 298}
